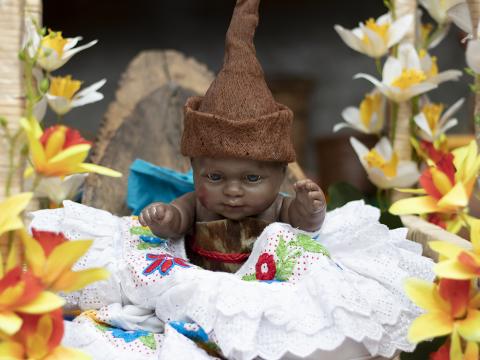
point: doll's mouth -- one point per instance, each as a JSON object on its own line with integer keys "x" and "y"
{"x": 233, "y": 206}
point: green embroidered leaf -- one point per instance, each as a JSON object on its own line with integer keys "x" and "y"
{"x": 149, "y": 341}
{"x": 147, "y": 246}
{"x": 282, "y": 250}
{"x": 286, "y": 269}
{"x": 141, "y": 230}
{"x": 249, "y": 277}
{"x": 310, "y": 245}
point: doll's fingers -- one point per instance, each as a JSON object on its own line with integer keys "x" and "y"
{"x": 146, "y": 217}
{"x": 311, "y": 186}
{"x": 141, "y": 220}
{"x": 317, "y": 204}
{"x": 168, "y": 216}
{"x": 158, "y": 213}
{"x": 316, "y": 195}
{"x": 300, "y": 185}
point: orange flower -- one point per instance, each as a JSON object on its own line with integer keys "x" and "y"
{"x": 23, "y": 292}
{"x": 39, "y": 338}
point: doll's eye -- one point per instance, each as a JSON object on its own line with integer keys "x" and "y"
{"x": 253, "y": 178}
{"x": 214, "y": 177}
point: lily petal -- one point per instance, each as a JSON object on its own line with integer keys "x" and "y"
{"x": 45, "y": 302}
{"x": 415, "y": 205}
{"x": 469, "y": 328}
{"x": 429, "y": 326}
{"x": 10, "y": 323}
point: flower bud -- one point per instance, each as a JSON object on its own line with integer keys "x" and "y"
{"x": 44, "y": 85}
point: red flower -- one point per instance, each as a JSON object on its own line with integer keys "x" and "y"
{"x": 70, "y": 136}
{"x": 48, "y": 240}
{"x": 436, "y": 219}
{"x": 265, "y": 268}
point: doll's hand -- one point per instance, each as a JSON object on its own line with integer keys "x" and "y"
{"x": 309, "y": 196}
{"x": 160, "y": 218}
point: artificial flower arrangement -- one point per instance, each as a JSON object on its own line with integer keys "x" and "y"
{"x": 39, "y": 265}
{"x": 447, "y": 177}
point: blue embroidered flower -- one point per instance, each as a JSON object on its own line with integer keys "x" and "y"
{"x": 152, "y": 239}
{"x": 127, "y": 335}
{"x": 192, "y": 331}
{"x": 163, "y": 263}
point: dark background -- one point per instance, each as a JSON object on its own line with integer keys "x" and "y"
{"x": 295, "y": 41}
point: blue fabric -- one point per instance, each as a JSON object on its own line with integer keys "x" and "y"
{"x": 148, "y": 183}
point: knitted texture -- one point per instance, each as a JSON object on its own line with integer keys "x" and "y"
{"x": 238, "y": 116}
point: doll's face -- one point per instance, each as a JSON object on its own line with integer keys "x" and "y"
{"x": 237, "y": 188}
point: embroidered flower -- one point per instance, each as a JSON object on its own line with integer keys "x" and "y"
{"x": 127, "y": 336}
{"x": 163, "y": 263}
{"x": 192, "y": 331}
{"x": 265, "y": 267}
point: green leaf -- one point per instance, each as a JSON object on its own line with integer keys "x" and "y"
{"x": 310, "y": 245}
{"x": 469, "y": 71}
{"x": 341, "y": 193}
{"x": 286, "y": 269}
{"x": 392, "y": 221}
{"x": 140, "y": 230}
{"x": 149, "y": 341}
{"x": 249, "y": 277}
{"x": 424, "y": 349}
{"x": 102, "y": 328}
{"x": 477, "y": 119}
{"x": 282, "y": 250}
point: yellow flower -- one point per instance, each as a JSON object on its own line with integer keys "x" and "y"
{"x": 10, "y": 210}
{"x": 22, "y": 292}
{"x": 375, "y": 37}
{"x": 64, "y": 94}
{"x": 59, "y": 151}
{"x": 457, "y": 262}
{"x": 55, "y": 50}
{"x": 451, "y": 307}
{"x": 39, "y": 338}
{"x": 50, "y": 257}
{"x": 447, "y": 186}
{"x": 368, "y": 117}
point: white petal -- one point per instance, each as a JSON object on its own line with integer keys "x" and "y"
{"x": 392, "y": 69}
{"x": 351, "y": 115}
{"x": 69, "y": 53}
{"x": 422, "y": 123}
{"x": 375, "y": 47}
{"x": 426, "y": 63}
{"x": 92, "y": 88}
{"x": 349, "y": 38}
{"x": 71, "y": 43}
{"x": 438, "y": 36}
{"x": 473, "y": 55}
{"x": 408, "y": 57}
{"x": 360, "y": 149}
{"x": 384, "y": 148}
{"x": 378, "y": 178}
{"x": 380, "y": 86}
{"x": 51, "y": 62}
{"x": 398, "y": 29}
{"x": 448, "y": 75}
{"x": 384, "y": 19}
{"x": 40, "y": 109}
{"x": 452, "y": 110}
{"x": 450, "y": 124}
{"x": 340, "y": 126}
{"x": 420, "y": 89}
{"x": 407, "y": 174}
{"x": 59, "y": 104}
{"x": 460, "y": 15}
{"x": 87, "y": 99}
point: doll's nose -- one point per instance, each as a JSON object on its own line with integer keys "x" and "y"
{"x": 233, "y": 188}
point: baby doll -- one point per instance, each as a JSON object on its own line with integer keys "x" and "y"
{"x": 239, "y": 140}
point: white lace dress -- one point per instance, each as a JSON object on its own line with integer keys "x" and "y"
{"x": 338, "y": 295}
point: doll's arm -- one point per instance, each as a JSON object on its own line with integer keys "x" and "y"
{"x": 171, "y": 221}
{"x": 307, "y": 210}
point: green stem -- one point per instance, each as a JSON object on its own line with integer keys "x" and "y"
{"x": 12, "y": 167}
{"x": 378, "y": 64}
{"x": 380, "y": 200}
{"x": 415, "y": 111}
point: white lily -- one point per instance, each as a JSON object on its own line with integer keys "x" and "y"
{"x": 56, "y": 51}
{"x": 368, "y": 118}
{"x": 438, "y": 9}
{"x": 402, "y": 77}
{"x": 63, "y": 94}
{"x": 57, "y": 189}
{"x": 430, "y": 38}
{"x": 383, "y": 167}
{"x": 473, "y": 55}
{"x": 460, "y": 15}
{"x": 431, "y": 124}
{"x": 430, "y": 69}
{"x": 375, "y": 37}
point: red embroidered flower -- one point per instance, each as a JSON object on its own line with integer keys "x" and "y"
{"x": 265, "y": 268}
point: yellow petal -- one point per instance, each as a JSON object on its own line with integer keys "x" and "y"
{"x": 452, "y": 269}
{"x": 102, "y": 170}
{"x": 446, "y": 249}
{"x": 415, "y": 205}
{"x": 10, "y": 322}
{"x": 63, "y": 257}
{"x": 10, "y": 350}
{"x": 457, "y": 197}
{"x": 34, "y": 254}
{"x": 45, "y": 302}
{"x": 55, "y": 142}
{"x": 71, "y": 152}
{"x": 469, "y": 328}
{"x": 455, "y": 347}
{"x": 10, "y": 210}
{"x": 424, "y": 294}
{"x": 471, "y": 352}
{"x": 412, "y": 191}
{"x": 73, "y": 281}
{"x": 428, "y": 326}
{"x": 475, "y": 234}
{"x": 14, "y": 257}
{"x": 441, "y": 180}
{"x": 62, "y": 353}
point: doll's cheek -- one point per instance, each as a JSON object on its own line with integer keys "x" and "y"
{"x": 202, "y": 195}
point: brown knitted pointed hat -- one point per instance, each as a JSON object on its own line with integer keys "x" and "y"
{"x": 238, "y": 116}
